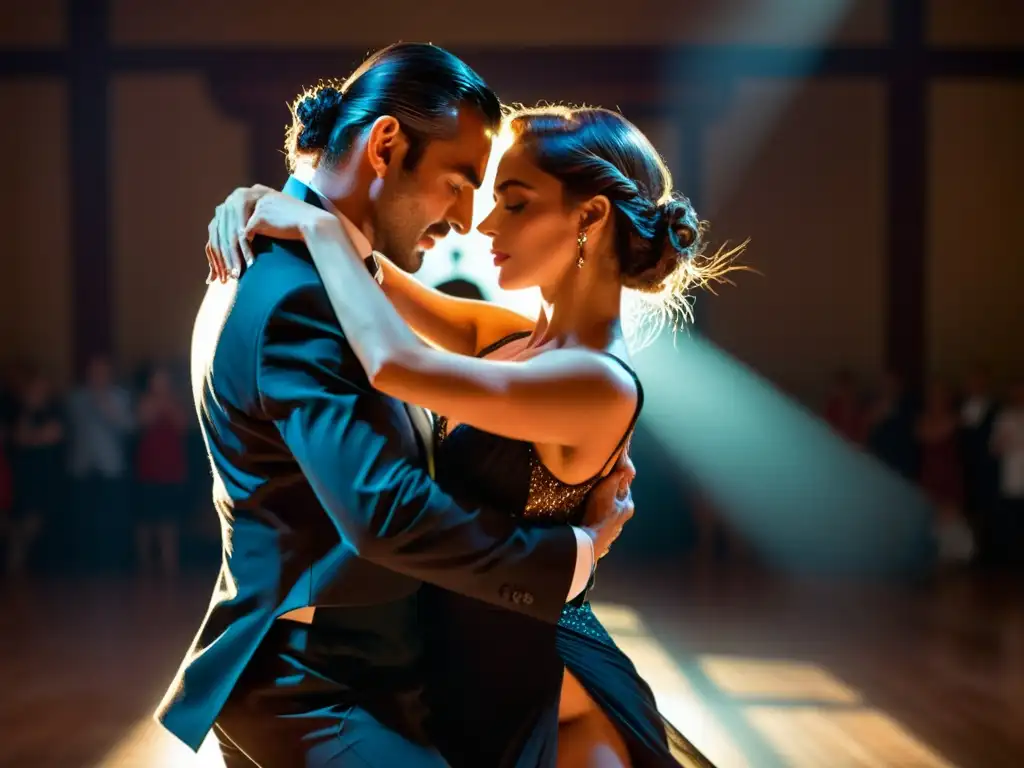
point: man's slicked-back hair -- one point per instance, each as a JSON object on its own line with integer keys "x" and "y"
{"x": 419, "y": 84}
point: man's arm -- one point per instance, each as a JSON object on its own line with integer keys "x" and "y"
{"x": 346, "y": 438}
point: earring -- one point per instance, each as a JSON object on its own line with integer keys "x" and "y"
{"x": 581, "y": 240}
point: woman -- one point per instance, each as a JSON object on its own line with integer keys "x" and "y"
{"x": 584, "y": 208}
{"x": 161, "y": 469}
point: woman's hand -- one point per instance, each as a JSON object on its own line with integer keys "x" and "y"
{"x": 285, "y": 218}
{"x": 258, "y": 211}
{"x": 226, "y": 249}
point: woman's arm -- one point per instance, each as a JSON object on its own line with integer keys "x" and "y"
{"x": 550, "y": 399}
{"x": 448, "y": 322}
{"x": 458, "y": 325}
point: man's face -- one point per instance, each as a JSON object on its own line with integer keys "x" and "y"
{"x": 418, "y": 207}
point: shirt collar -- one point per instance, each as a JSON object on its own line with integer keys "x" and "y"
{"x": 359, "y": 240}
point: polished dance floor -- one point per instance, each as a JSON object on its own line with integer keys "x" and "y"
{"x": 755, "y": 671}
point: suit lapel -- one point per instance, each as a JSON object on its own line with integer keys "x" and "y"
{"x": 419, "y": 417}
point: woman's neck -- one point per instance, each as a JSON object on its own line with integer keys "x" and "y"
{"x": 583, "y": 309}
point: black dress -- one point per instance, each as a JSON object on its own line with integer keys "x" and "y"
{"x": 39, "y": 469}
{"x": 495, "y": 677}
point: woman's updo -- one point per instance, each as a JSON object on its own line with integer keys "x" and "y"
{"x": 676, "y": 241}
{"x": 659, "y": 238}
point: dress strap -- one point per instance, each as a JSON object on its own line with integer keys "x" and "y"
{"x": 636, "y": 380}
{"x": 636, "y": 412}
{"x": 495, "y": 346}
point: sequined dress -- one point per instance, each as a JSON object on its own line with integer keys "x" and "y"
{"x": 495, "y": 676}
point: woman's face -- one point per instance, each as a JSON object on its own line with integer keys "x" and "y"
{"x": 534, "y": 231}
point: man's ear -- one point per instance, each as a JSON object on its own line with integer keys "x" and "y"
{"x": 386, "y": 144}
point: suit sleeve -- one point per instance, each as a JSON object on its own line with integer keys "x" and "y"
{"x": 347, "y": 442}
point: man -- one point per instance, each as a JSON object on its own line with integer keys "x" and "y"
{"x": 101, "y": 419}
{"x": 978, "y": 414}
{"x": 321, "y": 482}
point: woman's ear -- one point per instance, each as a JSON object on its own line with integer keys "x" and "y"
{"x": 595, "y": 215}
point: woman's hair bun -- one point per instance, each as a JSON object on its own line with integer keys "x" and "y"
{"x": 682, "y": 229}
{"x": 676, "y": 240}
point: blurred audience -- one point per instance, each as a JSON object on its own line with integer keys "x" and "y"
{"x": 38, "y": 439}
{"x": 101, "y": 420}
{"x": 161, "y": 467}
{"x": 6, "y": 488}
{"x": 965, "y": 450}
{"x": 980, "y": 465}
{"x": 844, "y": 408}
{"x": 941, "y": 471}
{"x": 890, "y": 427}
{"x": 1008, "y": 446}
{"x": 82, "y": 477}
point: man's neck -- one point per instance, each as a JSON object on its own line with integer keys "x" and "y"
{"x": 341, "y": 196}
{"x": 346, "y": 194}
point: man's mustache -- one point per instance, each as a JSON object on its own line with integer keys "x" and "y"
{"x": 437, "y": 231}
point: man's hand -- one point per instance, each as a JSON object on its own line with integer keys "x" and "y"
{"x": 227, "y": 247}
{"x": 610, "y": 505}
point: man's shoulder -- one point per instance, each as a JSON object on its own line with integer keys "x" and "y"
{"x": 278, "y": 283}
{"x": 233, "y": 316}
{"x": 281, "y": 269}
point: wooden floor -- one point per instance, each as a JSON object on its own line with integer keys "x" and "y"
{"x": 756, "y": 673}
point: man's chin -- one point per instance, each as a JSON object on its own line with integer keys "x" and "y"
{"x": 411, "y": 262}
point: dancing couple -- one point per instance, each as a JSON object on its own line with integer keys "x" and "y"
{"x": 400, "y": 589}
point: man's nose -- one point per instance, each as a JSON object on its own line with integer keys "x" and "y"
{"x": 460, "y": 215}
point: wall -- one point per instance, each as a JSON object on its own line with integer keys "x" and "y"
{"x": 798, "y": 167}
{"x": 35, "y": 292}
{"x": 809, "y": 192}
{"x": 175, "y": 156}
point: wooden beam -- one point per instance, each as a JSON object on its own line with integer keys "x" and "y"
{"x": 93, "y": 315}
{"x": 907, "y": 131}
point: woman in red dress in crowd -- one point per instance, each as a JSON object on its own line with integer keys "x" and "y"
{"x": 161, "y": 472}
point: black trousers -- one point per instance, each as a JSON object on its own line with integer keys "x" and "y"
{"x": 306, "y": 701}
